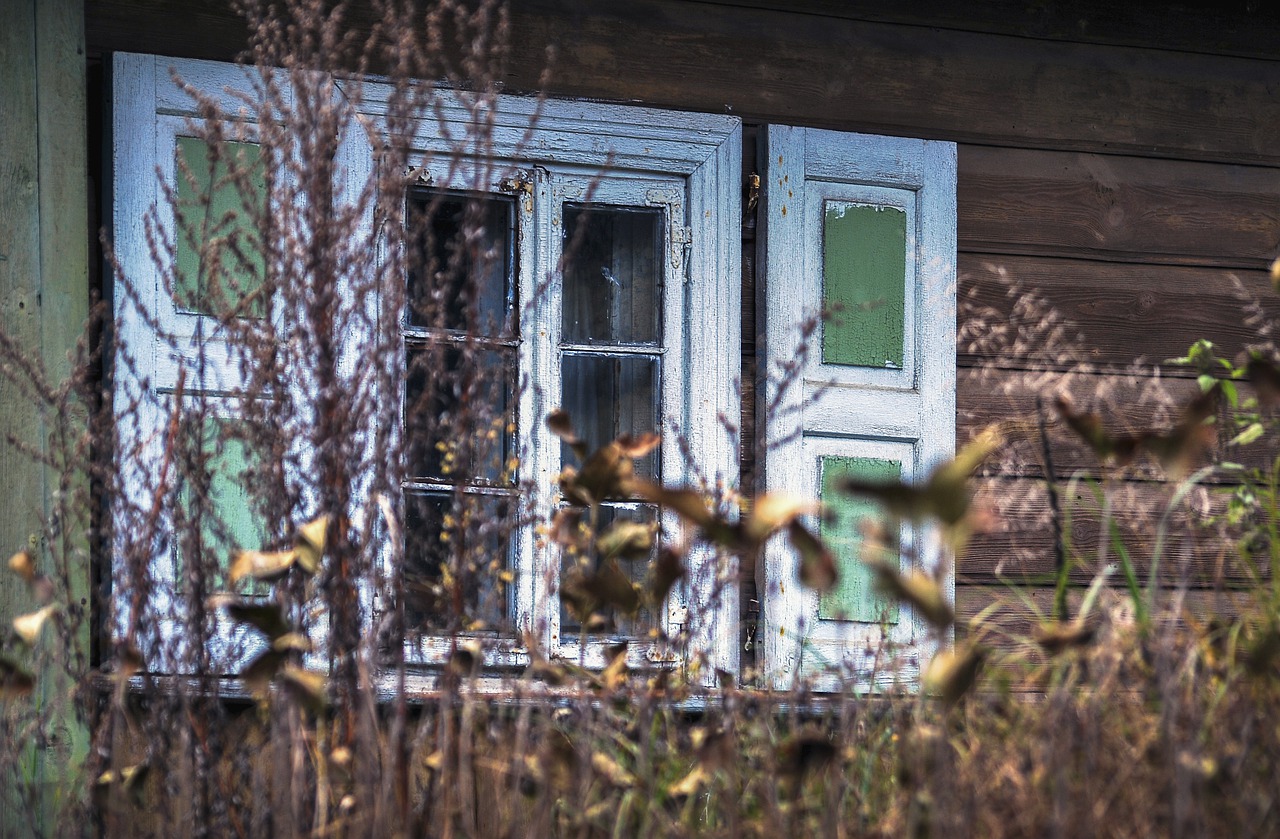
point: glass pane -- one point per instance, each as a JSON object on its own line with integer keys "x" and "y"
{"x": 455, "y": 561}
{"x": 459, "y": 413}
{"x": 461, "y": 262}
{"x": 612, "y": 275}
{"x": 853, "y": 597}
{"x": 636, "y": 570}
{"x": 607, "y": 396}
{"x": 216, "y": 222}
{"x": 864, "y": 268}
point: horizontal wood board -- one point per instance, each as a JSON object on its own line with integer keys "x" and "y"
{"x": 777, "y": 66}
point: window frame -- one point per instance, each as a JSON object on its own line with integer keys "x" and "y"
{"x": 701, "y": 152}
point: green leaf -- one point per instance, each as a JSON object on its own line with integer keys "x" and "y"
{"x": 1249, "y": 435}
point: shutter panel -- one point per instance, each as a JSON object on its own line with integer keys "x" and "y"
{"x": 861, "y": 227}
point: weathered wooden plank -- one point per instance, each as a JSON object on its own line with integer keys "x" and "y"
{"x": 19, "y": 284}
{"x": 1127, "y": 404}
{"x": 1218, "y": 29}
{"x": 1010, "y": 616}
{"x": 778, "y": 66}
{"x": 1017, "y": 546}
{"x": 1109, "y": 314}
{"x": 1117, "y": 207}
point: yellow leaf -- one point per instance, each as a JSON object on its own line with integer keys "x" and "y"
{"x": 952, "y": 672}
{"x": 292, "y": 642}
{"x": 310, "y": 542}
{"x": 691, "y": 783}
{"x": 28, "y": 626}
{"x": 774, "y": 510}
{"x": 261, "y": 565}
{"x": 915, "y": 587}
{"x": 612, "y": 771}
{"x": 306, "y": 686}
{"x": 24, "y": 565}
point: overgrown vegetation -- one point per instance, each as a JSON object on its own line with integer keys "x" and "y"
{"x": 251, "y": 689}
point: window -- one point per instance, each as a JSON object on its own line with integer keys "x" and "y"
{"x": 607, "y": 282}
{"x": 591, "y": 263}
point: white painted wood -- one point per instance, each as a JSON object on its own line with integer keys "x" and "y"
{"x": 808, "y": 409}
{"x": 688, "y": 164}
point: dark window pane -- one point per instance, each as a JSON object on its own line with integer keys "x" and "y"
{"x": 612, "y": 275}
{"x": 455, "y": 561}
{"x": 575, "y": 568}
{"x": 607, "y": 396}
{"x": 459, "y": 413}
{"x": 461, "y": 262}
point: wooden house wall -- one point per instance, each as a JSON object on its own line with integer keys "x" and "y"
{"x": 1121, "y": 159}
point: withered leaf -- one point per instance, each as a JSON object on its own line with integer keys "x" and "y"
{"x": 561, "y": 425}
{"x": 817, "y": 564}
{"x": 1264, "y": 375}
{"x": 668, "y": 569}
{"x": 267, "y": 618}
{"x": 567, "y": 530}
{"x": 612, "y": 771}
{"x": 28, "y": 626}
{"x": 774, "y": 511}
{"x": 916, "y": 588}
{"x": 615, "y": 672}
{"x": 607, "y": 586}
{"x": 806, "y": 752}
{"x": 690, "y": 783}
{"x": 954, "y": 671}
{"x": 307, "y": 687}
{"x": 292, "y": 642}
{"x": 1175, "y": 449}
{"x": 23, "y": 563}
{"x": 626, "y": 539}
{"x": 260, "y": 672}
{"x": 1053, "y": 638}
{"x": 637, "y": 445}
{"x": 261, "y": 565}
{"x": 14, "y": 681}
{"x": 309, "y": 541}
{"x": 945, "y": 496}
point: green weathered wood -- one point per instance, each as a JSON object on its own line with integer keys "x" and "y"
{"x": 864, "y": 263}
{"x": 853, "y": 597}
{"x": 44, "y": 247}
{"x": 232, "y": 518}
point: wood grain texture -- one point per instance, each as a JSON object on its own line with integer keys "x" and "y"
{"x": 1018, "y": 544}
{"x": 1026, "y": 311}
{"x": 1009, "y": 617}
{"x": 1214, "y": 28}
{"x": 1127, "y": 404}
{"x": 838, "y": 73}
{"x": 1117, "y": 207}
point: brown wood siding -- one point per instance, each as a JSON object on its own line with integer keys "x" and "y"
{"x": 1122, "y": 159}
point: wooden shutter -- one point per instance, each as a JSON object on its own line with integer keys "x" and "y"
{"x": 861, "y": 228}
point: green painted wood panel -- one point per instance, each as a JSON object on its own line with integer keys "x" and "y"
{"x": 232, "y": 519}
{"x": 864, "y": 263}
{"x": 44, "y": 300}
{"x": 214, "y": 210}
{"x": 853, "y": 597}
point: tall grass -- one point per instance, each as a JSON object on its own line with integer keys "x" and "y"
{"x": 254, "y": 692}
